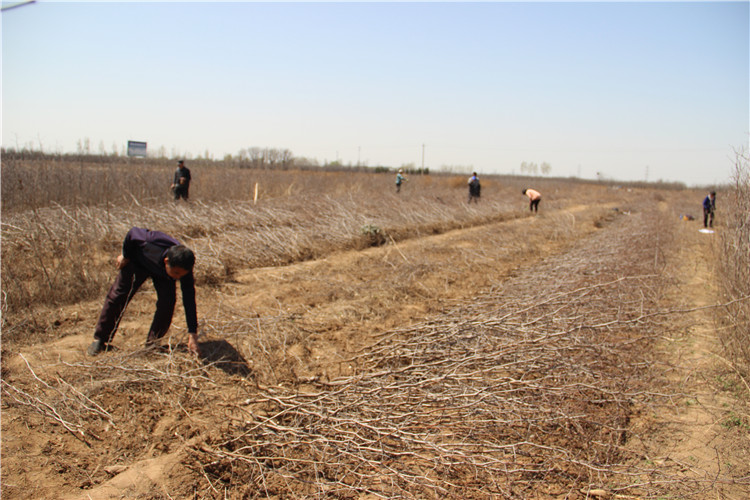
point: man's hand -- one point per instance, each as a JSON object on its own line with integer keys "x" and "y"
{"x": 121, "y": 262}
{"x": 193, "y": 346}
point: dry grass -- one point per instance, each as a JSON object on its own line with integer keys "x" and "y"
{"x": 60, "y": 232}
{"x": 734, "y": 268}
{"x": 527, "y": 390}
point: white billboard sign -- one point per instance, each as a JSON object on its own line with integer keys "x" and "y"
{"x": 136, "y": 148}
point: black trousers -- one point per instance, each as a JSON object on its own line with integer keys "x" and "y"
{"x": 180, "y": 191}
{"x": 128, "y": 281}
{"x": 708, "y": 217}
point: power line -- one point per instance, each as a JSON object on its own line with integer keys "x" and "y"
{"x": 19, "y": 4}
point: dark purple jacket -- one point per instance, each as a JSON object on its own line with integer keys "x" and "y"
{"x": 709, "y": 204}
{"x": 148, "y": 249}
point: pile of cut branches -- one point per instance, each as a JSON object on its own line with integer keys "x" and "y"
{"x": 530, "y": 388}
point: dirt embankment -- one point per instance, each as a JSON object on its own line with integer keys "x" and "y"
{"x": 514, "y": 359}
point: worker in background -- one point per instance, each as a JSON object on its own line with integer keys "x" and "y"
{"x": 534, "y": 198}
{"x": 709, "y": 207}
{"x": 475, "y": 188}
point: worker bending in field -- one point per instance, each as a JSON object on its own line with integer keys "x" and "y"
{"x": 155, "y": 255}
{"x": 534, "y": 198}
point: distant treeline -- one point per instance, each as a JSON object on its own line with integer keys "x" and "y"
{"x": 253, "y": 158}
{"x": 275, "y": 159}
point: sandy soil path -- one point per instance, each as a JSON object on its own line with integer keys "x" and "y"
{"x": 702, "y": 433}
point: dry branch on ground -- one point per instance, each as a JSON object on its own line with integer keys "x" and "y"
{"x": 528, "y": 389}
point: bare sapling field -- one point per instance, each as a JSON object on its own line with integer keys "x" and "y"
{"x": 734, "y": 266}
{"x": 362, "y": 343}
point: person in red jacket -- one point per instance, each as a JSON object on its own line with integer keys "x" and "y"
{"x": 534, "y": 198}
{"x": 150, "y": 254}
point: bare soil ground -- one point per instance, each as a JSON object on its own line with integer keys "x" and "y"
{"x": 702, "y": 434}
{"x": 564, "y": 355}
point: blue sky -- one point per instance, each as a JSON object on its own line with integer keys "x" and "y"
{"x": 630, "y": 90}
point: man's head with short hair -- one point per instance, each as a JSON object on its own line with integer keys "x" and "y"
{"x": 179, "y": 256}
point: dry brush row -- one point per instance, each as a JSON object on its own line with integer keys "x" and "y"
{"x": 734, "y": 268}
{"x": 528, "y": 389}
{"x": 59, "y": 255}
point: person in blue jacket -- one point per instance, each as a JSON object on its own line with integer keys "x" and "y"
{"x": 400, "y": 179}
{"x": 150, "y": 254}
{"x": 709, "y": 207}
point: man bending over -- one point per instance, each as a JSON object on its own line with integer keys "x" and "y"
{"x": 155, "y": 255}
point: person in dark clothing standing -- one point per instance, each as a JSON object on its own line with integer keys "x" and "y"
{"x": 181, "y": 183}
{"x": 475, "y": 188}
{"x": 709, "y": 207}
{"x": 155, "y": 255}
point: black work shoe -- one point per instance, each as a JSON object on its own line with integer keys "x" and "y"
{"x": 96, "y": 347}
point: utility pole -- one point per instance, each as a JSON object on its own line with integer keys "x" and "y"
{"x": 422, "y": 158}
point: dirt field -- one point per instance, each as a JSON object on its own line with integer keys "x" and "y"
{"x": 570, "y": 355}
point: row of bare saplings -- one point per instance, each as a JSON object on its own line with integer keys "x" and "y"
{"x": 734, "y": 267}
{"x": 528, "y": 389}
{"x": 55, "y": 253}
{"x": 44, "y": 181}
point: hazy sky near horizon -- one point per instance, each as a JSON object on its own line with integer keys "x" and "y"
{"x": 631, "y": 90}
